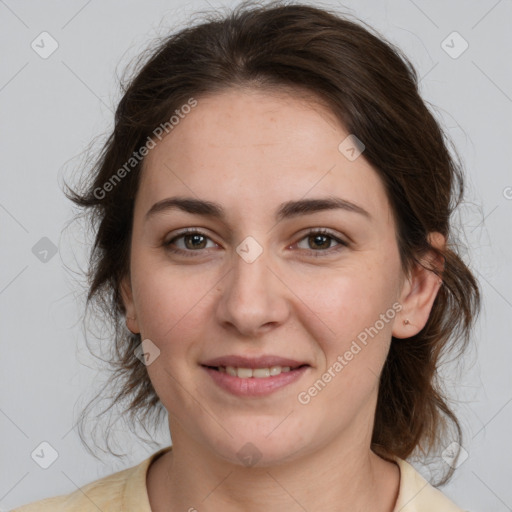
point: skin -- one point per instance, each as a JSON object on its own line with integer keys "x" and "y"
{"x": 251, "y": 150}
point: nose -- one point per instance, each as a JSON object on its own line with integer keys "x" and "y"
{"x": 253, "y": 297}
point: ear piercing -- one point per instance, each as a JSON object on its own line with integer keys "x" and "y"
{"x": 406, "y": 322}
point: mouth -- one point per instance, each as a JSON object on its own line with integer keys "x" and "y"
{"x": 255, "y": 373}
{"x": 254, "y": 377}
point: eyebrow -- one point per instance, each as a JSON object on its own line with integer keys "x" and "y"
{"x": 286, "y": 210}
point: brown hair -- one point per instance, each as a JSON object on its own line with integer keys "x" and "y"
{"x": 372, "y": 88}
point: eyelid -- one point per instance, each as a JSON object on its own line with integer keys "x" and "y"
{"x": 324, "y": 231}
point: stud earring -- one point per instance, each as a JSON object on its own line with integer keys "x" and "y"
{"x": 406, "y": 322}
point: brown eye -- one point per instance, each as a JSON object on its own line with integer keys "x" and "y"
{"x": 196, "y": 241}
{"x": 320, "y": 241}
{"x": 189, "y": 242}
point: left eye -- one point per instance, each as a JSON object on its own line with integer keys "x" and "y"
{"x": 320, "y": 241}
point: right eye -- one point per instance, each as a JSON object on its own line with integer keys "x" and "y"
{"x": 191, "y": 241}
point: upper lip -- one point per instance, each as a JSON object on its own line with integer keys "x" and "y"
{"x": 253, "y": 362}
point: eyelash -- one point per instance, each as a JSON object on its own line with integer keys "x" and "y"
{"x": 317, "y": 254}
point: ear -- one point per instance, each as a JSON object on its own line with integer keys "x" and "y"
{"x": 419, "y": 292}
{"x": 129, "y": 305}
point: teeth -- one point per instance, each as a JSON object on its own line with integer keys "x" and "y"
{"x": 259, "y": 373}
{"x": 244, "y": 373}
{"x": 231, "y": 371}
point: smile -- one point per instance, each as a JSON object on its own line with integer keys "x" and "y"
{"x": 256, "y": 382}
{"x": 259, "y": 373}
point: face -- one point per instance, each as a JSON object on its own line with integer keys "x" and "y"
{"x": 265, "y": 276}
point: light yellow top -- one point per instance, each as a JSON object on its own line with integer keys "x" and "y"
{"x": 126, "y": 491}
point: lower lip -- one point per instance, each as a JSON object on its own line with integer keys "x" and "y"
{"x": 254, "y": 386}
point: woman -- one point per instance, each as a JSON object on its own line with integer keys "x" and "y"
{"x": 273, "y": 244}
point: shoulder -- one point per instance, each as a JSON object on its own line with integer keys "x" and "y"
{"x": 417, "y": 495}
{"x": 100, "y": 494}
{"x": 126, "y": 488}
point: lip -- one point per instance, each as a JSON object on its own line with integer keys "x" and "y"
{"x": 253, "y": 386}
{"x": 253, "y": 362}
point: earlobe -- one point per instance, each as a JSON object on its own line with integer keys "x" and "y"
{"x": 129, "y": 305}
{"x": 419, "y": 292}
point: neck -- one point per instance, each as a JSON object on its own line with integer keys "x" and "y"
{"x": 190, "y": 478}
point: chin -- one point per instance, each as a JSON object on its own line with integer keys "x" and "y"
{"x": 258, "y": 448}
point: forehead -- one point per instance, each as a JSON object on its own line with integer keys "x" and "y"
{"x": 253, "y": 145}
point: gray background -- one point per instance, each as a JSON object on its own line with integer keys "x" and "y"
{"x": 52, "y": 108}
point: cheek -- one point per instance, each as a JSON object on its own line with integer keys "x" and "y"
{"x": 358, "y": 310}
{"x": 348, "y": 302}
{"x": 171, "y": 310}
{"x": 168, "y": 302}
{"x": 352, "y": 325}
